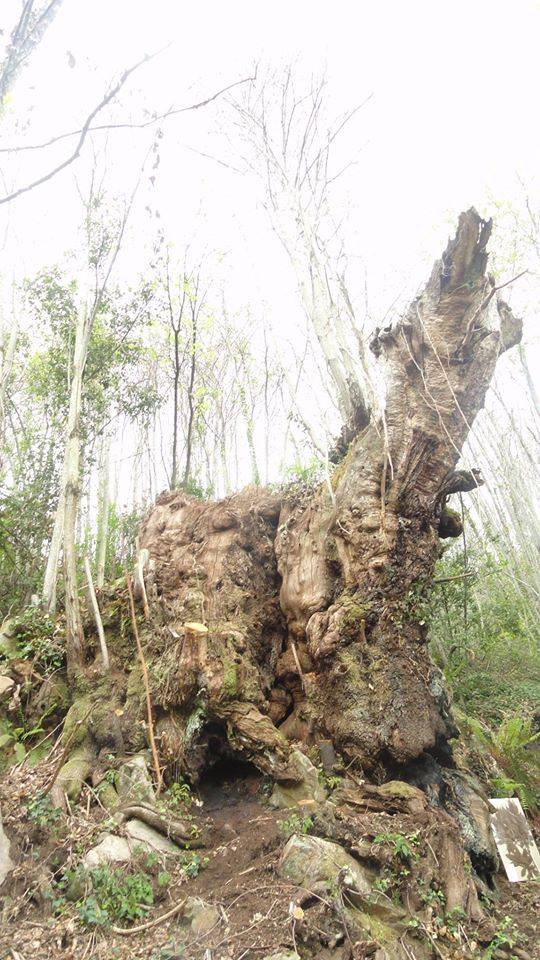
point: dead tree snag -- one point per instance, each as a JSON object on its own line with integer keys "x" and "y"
{"x": 341, "y": 655}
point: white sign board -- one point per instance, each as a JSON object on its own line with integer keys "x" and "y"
{"x": 514, "y": 840}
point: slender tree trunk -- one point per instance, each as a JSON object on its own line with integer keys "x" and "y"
{"x": 6, "y": 365}
{"x": 250, "y": 435}
{"x": 103, "y": 509}
{"x": 51, "y": 570}
{"x": 74, "y": 631}
{"x": 176, "y": 381}
{"x": 191, "y": 395}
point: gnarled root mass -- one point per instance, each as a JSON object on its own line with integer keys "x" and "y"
{"x": 311, "y": 597}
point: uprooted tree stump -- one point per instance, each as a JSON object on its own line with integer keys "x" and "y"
{"x": 281, "y": 617}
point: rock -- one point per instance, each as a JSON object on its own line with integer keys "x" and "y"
{"x": 8, "y": 643}
{"x": 400, "y": 790}
{"x": 302, "y": 789}
{"x": 150, "y": 839}
{"x": 464, "y": 801}
{"x": 200, "y": 915}
{"x": 6, "y": 686}
{"x": 393, "y": 795}
{"x": 309, "y": 860}
{"x": 108, "y": 796}
{"x": 282, "y": 955}
{"x": 74, "y": 773}
{"x": 6, "y": 863}
{"x": 110, "y": 849}
{"x": 133, "y": 782}
{"x": 53, "y": 696}
{"x": 328, "y": 756}
{"x": 384, "y": 932}
{"x": 313, "y": 863}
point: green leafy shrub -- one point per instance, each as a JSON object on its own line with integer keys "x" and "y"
{"x": 295, "y": 824}
{"x": 404, "y": 852}
{"x": 35, "y": 638}
{"x": 40, "y": 811}
{"x": 403, "y": 845}
{"x": 179, "y": 794}
{"x": 483, "y": 635}
{"x": 506, "y": 935}
{"x": 511, "y": 745}
{"x": 112, "y": 895}
{"x": 192, "y": 864}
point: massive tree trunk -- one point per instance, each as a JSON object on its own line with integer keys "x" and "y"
{"x": 312, "y": 597}
{"x": 344, "y": 653}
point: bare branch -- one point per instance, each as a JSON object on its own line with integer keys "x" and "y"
{"x": 141, "y": 125}
{"x": 88, "y": 128}
{"x": 83, "y": 134}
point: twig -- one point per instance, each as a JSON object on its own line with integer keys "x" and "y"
{"x": 501, "y": 286}
{"x": 155, "y": 756}
{"x": 126, "y": 932}
{"x": 97, "y": 614}
{"x": 139, "y": 588}
{"x": 240, "y": 933}
{"x": 143, "y": 124}
{"x": 459, "y": 576}
{"x": 298, "y": 667}
{"x": 83, "y": 134}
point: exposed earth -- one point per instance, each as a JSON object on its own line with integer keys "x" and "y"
{"x": 242, "y": 904}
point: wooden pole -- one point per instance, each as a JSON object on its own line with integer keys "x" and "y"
{"x": 159, "y": 778}
{"x": 97, "y": 614}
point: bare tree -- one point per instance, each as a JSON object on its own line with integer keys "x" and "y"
{"x": 176, "y": 318}
{"x": 104, "y": 247}
{"x": 196, "y": 299}
{"x": 290, "y": 151}
{"x": 34, "y": 19}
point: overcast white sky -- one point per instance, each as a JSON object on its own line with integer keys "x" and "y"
{"x": 453, "y": 114}
{"x": 453, "y": 117}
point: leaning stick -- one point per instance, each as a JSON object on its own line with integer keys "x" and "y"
{"x": 298, "y": 667}
{"x": 97, "y": 614}
{"x": 127, "y": 931}
{"x": 159, "y": 779}
{"x": 139, "y": 585}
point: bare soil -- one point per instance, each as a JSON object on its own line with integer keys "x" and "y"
{"x": 255, "y": 906}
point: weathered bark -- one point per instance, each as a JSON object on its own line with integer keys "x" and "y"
{"x": 274, "y": 618}
{"x": 353, "y": 569}
{"x": 311, "y": 596}
{"x": 352, "y": 561}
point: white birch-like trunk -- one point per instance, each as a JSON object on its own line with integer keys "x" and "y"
{"x": 74, "y": 633}
{"x": 6, "y": 364}
{"x": 50, "y": 579}
{"x": 103, "y": 509}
